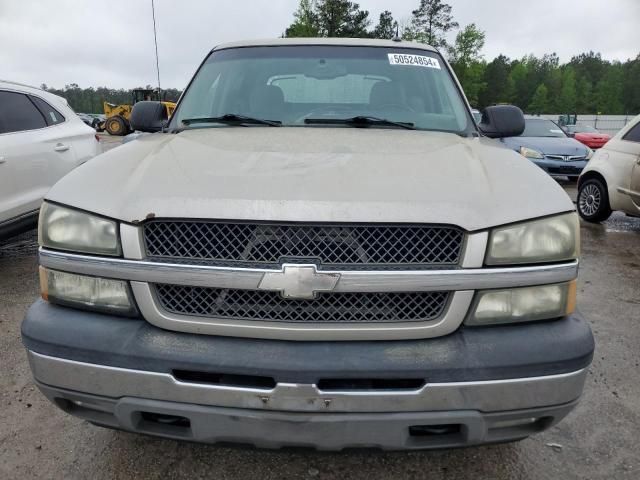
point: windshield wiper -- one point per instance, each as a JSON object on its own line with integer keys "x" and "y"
{"x": 233, "y": 119}
{"x": 359, "y": 121}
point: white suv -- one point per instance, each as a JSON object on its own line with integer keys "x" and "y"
{"x": 41, "y": 140}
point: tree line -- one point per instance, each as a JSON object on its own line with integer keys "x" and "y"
{"x": 90, "y": 100}
{"x": 586, "y": 84}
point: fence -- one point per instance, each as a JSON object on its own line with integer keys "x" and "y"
{"x": 610, "y": 124}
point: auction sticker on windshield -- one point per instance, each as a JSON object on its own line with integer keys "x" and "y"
{"x": 413, "y": 60}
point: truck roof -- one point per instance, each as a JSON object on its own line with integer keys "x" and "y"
{"x": 347, "y": 42}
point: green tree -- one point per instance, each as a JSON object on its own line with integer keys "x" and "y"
{"x": 466, "y": 61}
{"x": 529, "y": 72}
{"x": 473, "y": 82}
{"x": 468, "y": 45}
{"x": 590, "y": 66}
{"x": 584, "y": 96}
{"x": 567, "y": 100}
{"x": 430, "y": 23}
{"x": 631, "y": 87}
{"x": 499, "y": 86}
{"x": 553, "y": 81}
{"x": 305, "y": 21}
{"x": 386, "y": 27}
{"x": 540, "y": 101}
{"x": 609, "y": 90}
{"x": 341, "y": 18}
{"x": 509, "y": 93}
{"x": 518, "y": 79}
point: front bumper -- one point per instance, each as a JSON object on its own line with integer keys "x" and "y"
{"x": 558, "y": 167}
{"x": 321, "y": 431}
{"x": 481, "y": 385}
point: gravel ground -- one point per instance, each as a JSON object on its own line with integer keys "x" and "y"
{"x": 598, "y": 440}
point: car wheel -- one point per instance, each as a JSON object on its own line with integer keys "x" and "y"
{"x": 593, "y": 201}
{"x": 116, "y": 126}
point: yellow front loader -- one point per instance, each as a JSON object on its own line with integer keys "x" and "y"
{"x": 117, "y": 116}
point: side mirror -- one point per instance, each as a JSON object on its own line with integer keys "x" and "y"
{"x": 502, "y": 121}
{"x": 148, "y": 116}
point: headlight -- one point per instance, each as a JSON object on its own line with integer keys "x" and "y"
{"x": 551, "y": 239}
{"x": 91, "y": 293}
{"x": 589, "y": 153}
{"x": 531, "y": 153}
{"x": 523, "y": 304}
{"x": 67, "y": 229}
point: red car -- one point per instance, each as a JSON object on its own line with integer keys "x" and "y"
{"x": 588, "y": 135}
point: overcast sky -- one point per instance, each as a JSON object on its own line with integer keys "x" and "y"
{"x": 110, "y": 43}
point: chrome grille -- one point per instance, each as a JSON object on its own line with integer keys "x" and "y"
{"x": 567, "y": 158}
{"x": 326, "y": 308}
{"x": 341, "y": 246}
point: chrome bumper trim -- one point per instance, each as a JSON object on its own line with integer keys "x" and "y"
{"x": 484, "y": 396}
{"x": 350, "y": 281}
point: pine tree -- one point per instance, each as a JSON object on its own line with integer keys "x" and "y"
{"x": 305, "y": 23}
{"x": 386, "y": 28}
{"x": 568, "y": 94}
{"x": 540, "y": 101}
{"x": 430, "y": 23}
{"x": 609, "y": 90}
{"x": 341, "y": 18}
{"x": 553, "y": 81}
{"x": 499, "y": 85}
{"x": 631, "y": 87}
{"x": 584, "y": 96}
{"x": 518, "y": 78}
{"x": 589, "y": 65}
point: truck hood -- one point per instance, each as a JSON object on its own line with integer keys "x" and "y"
{"x": 314, "y": 175}
{"x": 548, "y": 145}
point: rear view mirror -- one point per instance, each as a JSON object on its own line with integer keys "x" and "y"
{"x": 148, "y": 116}
{"x": 326, "y": 71}
{"x": 502, "y": 121}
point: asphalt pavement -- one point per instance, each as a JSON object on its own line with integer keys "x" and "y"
{"x": 599, "y": 440}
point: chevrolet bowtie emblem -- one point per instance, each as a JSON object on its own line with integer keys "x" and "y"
{"x": 299, "y": 281}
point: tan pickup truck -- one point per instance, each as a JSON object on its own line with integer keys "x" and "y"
{"x": 319, "y": 248}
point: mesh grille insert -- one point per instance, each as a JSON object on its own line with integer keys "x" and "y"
{"x": 330, "y": 246}
{"x": 326, "y": 308}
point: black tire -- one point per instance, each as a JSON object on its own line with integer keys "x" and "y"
{"x": 593, "y": 201}
{"x": 116, "y": 126}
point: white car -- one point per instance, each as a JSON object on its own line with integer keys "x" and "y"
{"x": 41, "y": 140}
{"x": 611, "y": 180}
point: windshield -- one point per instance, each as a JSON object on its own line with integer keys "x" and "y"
{"x": 541, "y": 128}
{"x": 295, "y": 84}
